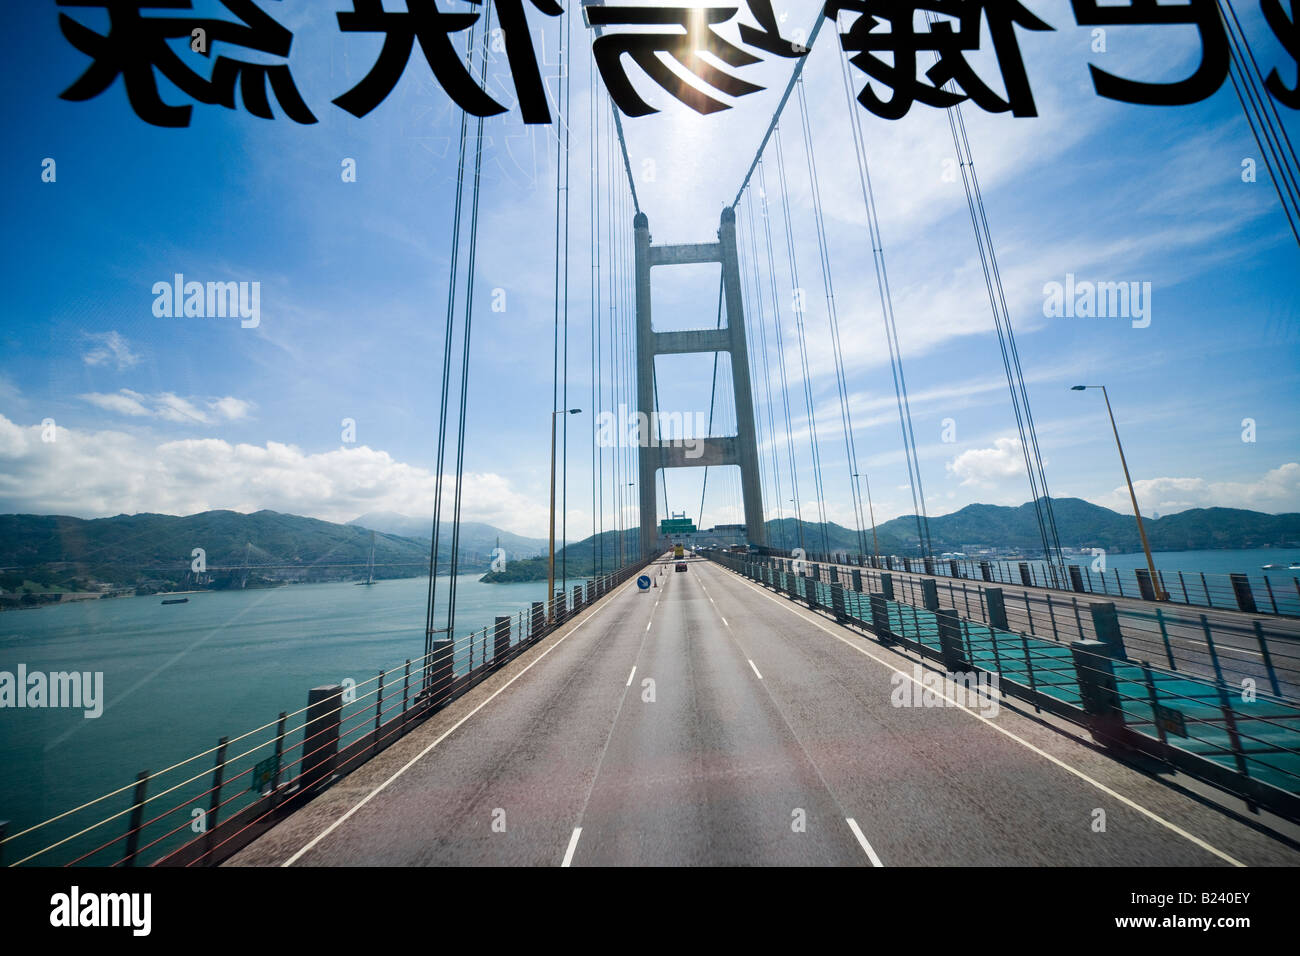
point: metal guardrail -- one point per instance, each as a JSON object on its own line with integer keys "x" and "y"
{"x": 1250, "y": 593}
{"x": 203, "y": 809}
{"x": 1227, "y": 646}
{"x": 1246, "y": 742}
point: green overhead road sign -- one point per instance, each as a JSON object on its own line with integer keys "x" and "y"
{"x": 676, "y": 526}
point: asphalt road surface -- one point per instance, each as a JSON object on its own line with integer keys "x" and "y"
{"x": 707, "y": 721}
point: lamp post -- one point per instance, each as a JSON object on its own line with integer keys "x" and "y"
{"x": 1146, "y": 547}
{"x": 550, "y": 571}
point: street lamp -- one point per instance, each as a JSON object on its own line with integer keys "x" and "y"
{"x": 1146, "y": 547}
{"x": 550, "y": 572}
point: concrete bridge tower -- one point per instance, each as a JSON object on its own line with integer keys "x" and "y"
{"x": 739, "y": 449}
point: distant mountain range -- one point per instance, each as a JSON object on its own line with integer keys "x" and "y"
{"x": 1079, "y": 524}
{"x": 152, "y": 552}
{"x": 476, "y": 538}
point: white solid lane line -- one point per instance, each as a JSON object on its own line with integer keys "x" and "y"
{"x": 630, "y": 676}
{"x": 862, "y": 841}
{"x": 751, "y": 664}
{"x": 989, "y": 722}
{"x": 573, "y": 845}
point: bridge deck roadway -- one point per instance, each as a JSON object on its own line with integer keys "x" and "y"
{"x": 770, "y": 738}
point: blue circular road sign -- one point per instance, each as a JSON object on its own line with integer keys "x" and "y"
{"x": 643, "y": 582}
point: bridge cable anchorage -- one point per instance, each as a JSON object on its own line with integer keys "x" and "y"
{"x": 449, "y": 336}
{"x": 780, "y": 354}
{"x": 891, "y": 328}
{"x": 832, "y": 314}
{"x": 756, "y": 296}
{"x": 797, "y": 297}
{"x": 1261, "y": 115}
{"x": 1006, "y": 342}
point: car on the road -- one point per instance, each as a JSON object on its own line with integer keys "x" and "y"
{"x": 681, "y": 566}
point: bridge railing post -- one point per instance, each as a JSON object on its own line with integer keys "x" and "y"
{"x": 950, "y": 642}
{"x": 320, "y": 733}
{"x": 442, "y": 671}
{"x": 1099, "y": 695}
{"x": 1145, "y": 586}
{"x": 837, "y": 603}
{"x": 1076, "y": 579}
{"x": 1242, "y": 592}
{"x": 501, "y": 640}
{"x": 880, "y": 618}
{"x": 136, "y": 820}
{"x": 887, "y": 586}
{"x": 538, "y": 623}
{"x": 1105, "y": 624}
{"x": 930, "y": 594}
{"x": 997, "y": 608}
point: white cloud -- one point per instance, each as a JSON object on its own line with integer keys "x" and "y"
{"x": 171, "y": 407}
{"x": 985, "y": 466}
{"x": 125, "y": 402}
{"x": 94, "y": 474}
{"x": 1277, "y": 491}
{"x": 231, "y": 408}
{"x": 109, "y": 349}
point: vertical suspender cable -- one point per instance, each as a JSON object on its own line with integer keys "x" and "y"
{"x": 766, "y": 378}
{"x": 891, "y": 328}
{"x": 780, "y": 354}
{"x": 464, "y": 367}
{"x": 449, "y": 335}
{"x": 832, "y": 313}
{"x": 797, "y": 292}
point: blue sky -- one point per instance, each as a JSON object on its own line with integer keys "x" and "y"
{"x": 178, "y": 415}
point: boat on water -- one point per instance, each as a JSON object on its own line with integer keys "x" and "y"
{"x": 177, "y": 601}
{"x": 1293, "y": 566}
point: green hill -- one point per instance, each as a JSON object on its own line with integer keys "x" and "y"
{"x": 154, "y": 552}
